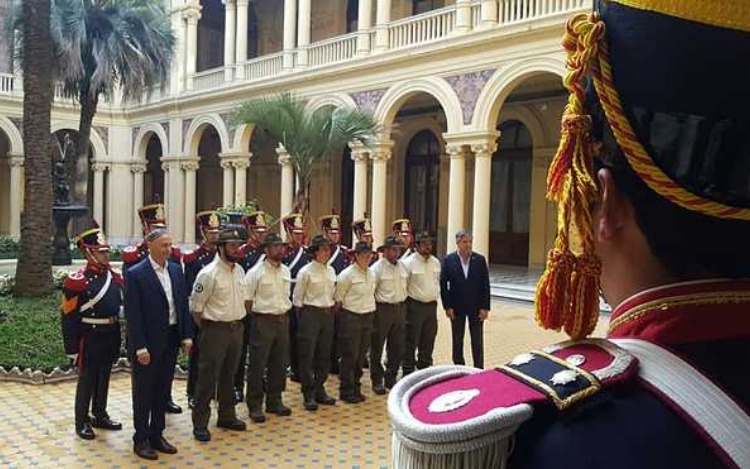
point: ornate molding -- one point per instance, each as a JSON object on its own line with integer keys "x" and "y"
{"x": 242, "y": 164}
{"x": 15, "y": 161}
{"x": 99, "y": 166}
{"x": 368, "y": 100}
{"x": 190, "y": 165}
{"x": 482, "y": 150}
{"x": 455, "y": 151}
{"x": 138, "y": 167}
{"x": 468, "y": 87}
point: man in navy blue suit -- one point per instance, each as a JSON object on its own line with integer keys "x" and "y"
{"x": 156, "y": 308}
{"x": 465, "y": 291}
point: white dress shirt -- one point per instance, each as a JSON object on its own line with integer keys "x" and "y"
{"x": 163, "y": 274}
{"x": 355, "y": 290}
{"x": 315, "y": 285}
{"x": 464, "y": 265}
{"x": 390, "y": 281}
{"x": 220, "y": 292}
{"x": 423, "y": 282}
{"x": 269, "y": 288}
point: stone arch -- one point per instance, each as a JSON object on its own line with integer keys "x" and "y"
{"x": 13, "y": 134}
{"x": 143, "y": 137}
{"x": 243, "y": 134}
{"x": 95, "y": 140}
{"x": 195, "y": 131}
{"x": 438, "y": 88}
{"x": 537, "y": 128}
{"x": 334, "y": 99}
{"x": 504, "y": 81}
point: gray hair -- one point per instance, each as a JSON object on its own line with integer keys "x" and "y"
{"x": 462, "y": 233}
{"x": 156, "y": 234}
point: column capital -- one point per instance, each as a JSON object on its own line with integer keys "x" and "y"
{"x": 455, "y": 150}
{"x": 241, "y": 163}
{"x": 284, "y": 159}
{"x": 15, "y": 160}
{"x": 483, "y": 150}
{"x": 192, "y": 12}
{"x": 190, "y": 165}
{"x": 99, "y": 166}
{"x": 138, "y": 167}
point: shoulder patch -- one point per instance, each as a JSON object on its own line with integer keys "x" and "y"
{"x": 443, "y": 412}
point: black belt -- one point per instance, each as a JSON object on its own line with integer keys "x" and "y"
{"x": 421, "y": 302}
{"x": 232, "y": 324}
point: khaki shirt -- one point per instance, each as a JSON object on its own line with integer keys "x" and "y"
{"x": 220, "y": 292}
{"x": 269, "y": 288}
{"x": 355, "y": 290}
{"x": 423, "y": 283}
{"x": 390, "y": 281}
{"x": 315, "y": 285}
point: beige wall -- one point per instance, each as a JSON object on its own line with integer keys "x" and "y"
{"x": 328, "y": 19}
{"x": 270, "y": 26}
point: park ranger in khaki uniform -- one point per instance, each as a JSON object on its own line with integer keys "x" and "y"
{"x": 313, "y": 301}
{"x": 269, "y": 289}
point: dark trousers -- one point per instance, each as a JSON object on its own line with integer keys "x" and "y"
{"x": 355, "y": 331}
{"x": 193, "y": 361}
{"x": 421, "y": 330}
{"x": 476, "y": 332}
{"x": 314, "y": 337}
{"x": 221, "y": 343}
{"x": 335, "y": 349}
{"x": 293, "y": 344}
{"x": 269, "y": 351}
{"x": 241, "y": 374}
{"x": 151, "y": 389}
{"x": 388, "y": 325}
{"x": 98, "y": 350}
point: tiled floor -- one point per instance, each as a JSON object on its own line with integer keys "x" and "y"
{"x": 36, "y": 427}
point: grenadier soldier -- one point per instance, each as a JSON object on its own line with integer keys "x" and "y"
{"x": 390, "y": 315}
{"x": 355, "y": 304}
{"x": 330, "y": 225}
{"x": 218, "y": 300}
{"x": 269, "y": 289}
{"x": 362, "y": 229}
{"x": 653, "y": 191}
{"x": 194, "y": 261}
{"x": 423, "y": 290}
{"x": 92, "y": 299}
{"x": 313, "y": 301}
{"x": 404, "y": 233}
{"x": 252, "y": 255}
{"x": 153, "y": 217}
{"x": 296, "y": 258}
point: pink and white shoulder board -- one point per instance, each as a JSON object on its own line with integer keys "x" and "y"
{"x": 459, "y": 417}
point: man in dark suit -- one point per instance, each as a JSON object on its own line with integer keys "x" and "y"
{"x": 156, "y": 308}
{"x": 465, "y": 291}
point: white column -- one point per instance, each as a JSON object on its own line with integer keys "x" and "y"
{"x": 463, "y": 16}
{"x": 241, "y": 56}
{"x": 359, "y": 156}
{"x": 303, "y": 33}
{"x": 228, "y": 186}
{"x": 379, "y": 159}
{"x": 364, "y": 24}
{"x": 138, "y": 169}
{"x": 230, "y": 39}
{"x": 98, "y": 169}
{"x": 456, "y": 189}
{"x": 16, "y": 194}
{"x": 240, "y": 179}
{"x": 175, "y": 199}
{"x": 482, "y": 192}
{"x": 287, "y": 184}
{"x": 488, "y": 11}
{"x": 190, "y": 168}
{"x": 290, "y": 32}
{"x": 165, "y": 195}
{"x": 382, "y": 19}
{"x": 191, "y": 57}
{"x": 177, "y": 78}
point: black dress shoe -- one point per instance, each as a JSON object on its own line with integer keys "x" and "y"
{"x": 85, "y": 431}
{"x": 349, "y": 398}
{"x": 257, "y": 415}
{"x": 105, "y": 423}
{"x": 294, "y": 377}
{"x": 201, "y": 434}
{"x": 310, "y": 404}
{"x": 145, "y": 451}
{"x": 236, "y": 425}
{"x": 279, "y": 409}
{"x": 360, "y": 397}
{"x": 161, "y": 445}
{"x": 238, "y": 397}
{"x": 325, "y": 399}
{"x": 389, "y": 383}
{"x": 379, "y": 389}
{"x": 173, "y": 408}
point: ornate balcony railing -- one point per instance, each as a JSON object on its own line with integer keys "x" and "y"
{"x": 208, "y": 79}
{"x": 7, "y": 83}
{"x": 334, "y": 50}
{"x": 264, "y": 67}
{"x": 422, "y": 28}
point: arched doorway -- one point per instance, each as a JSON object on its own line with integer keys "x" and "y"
{"x": 422, "y": 181}
{"x": 209, "y": 179}
{"x": 153, "y": 178}
{"x": 511, "y": 195}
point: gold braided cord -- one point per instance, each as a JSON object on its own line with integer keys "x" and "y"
{"x": 733, "y": 14}
{"x": 638, "y": 157}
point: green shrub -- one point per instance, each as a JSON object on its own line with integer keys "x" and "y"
{"x": 8, "y": 247}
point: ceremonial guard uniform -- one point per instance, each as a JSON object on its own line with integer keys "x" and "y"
{"x": 194, "y": 261}
{"x": 330, "y": 225}
{"x": 362, "y": 229}
{"x": 252, "y": 255}
{"x": 404, "y": 233}
{"x": 92, "y": 298}
{"x": 313, "y": 300}
{"x": 295, "y": 259}
{"x": 653, "y": 190}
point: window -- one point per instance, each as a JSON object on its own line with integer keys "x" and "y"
{"x": 422, "y": 181}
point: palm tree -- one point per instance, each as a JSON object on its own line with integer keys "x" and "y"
{"x": 34, "y": 268}
{"x": 308, "y": 136}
